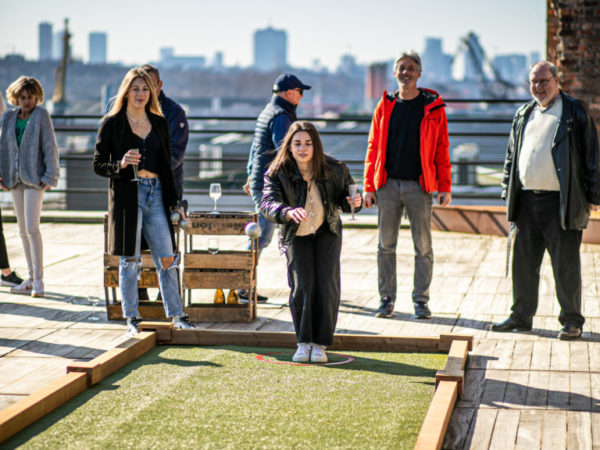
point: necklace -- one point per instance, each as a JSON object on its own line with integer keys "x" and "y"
{"x": 137, "y": 122}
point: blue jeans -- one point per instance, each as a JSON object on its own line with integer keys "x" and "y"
{"x": 266, "y": 227}
{"x": 152, "y": 221}
{"x": 391, "y": 201}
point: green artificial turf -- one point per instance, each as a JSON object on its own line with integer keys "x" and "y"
{"x": 207, "y": 397}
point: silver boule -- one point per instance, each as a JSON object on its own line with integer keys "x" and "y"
{"x": 184, "y": 224}
{"x": 252, "y": 229}
{"x": 175, "y": 216}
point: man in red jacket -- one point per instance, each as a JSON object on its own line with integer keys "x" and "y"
{"x": 407, "y": 161}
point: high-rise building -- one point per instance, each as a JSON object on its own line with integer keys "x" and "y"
{"x": 45, "y": 41}
{"x": 437, "y": 66}
{"x": 511, "y": 68}
{"x": 270, "y": 49}
{"x": 97, "y": 41}
{"x": 375, "y": 83}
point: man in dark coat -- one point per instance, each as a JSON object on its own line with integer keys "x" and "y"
{"x": 271, "y": 127}
{"x": 551, "y": 182}
{"x": 178, "y": 126}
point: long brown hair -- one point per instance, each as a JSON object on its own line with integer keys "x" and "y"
{"x": 121, "y": 98}
{"x": 285, "y": 159}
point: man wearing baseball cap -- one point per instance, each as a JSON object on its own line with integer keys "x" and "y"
{"x": 271, "y": 127}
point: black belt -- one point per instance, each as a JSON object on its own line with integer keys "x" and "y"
{"x": 538, "y": 192}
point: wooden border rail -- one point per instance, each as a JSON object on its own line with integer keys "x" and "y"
{"x": 82, "y": 375}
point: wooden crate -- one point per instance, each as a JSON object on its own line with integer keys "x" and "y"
{"x": 228, "y": 269}
{"x": 148, "y": 279}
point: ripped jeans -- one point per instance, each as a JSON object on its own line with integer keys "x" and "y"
{"x": 152, "y": 221}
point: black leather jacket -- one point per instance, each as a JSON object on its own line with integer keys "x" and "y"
{"x": 575, "y": 155}
{"x": 285, "y": 190}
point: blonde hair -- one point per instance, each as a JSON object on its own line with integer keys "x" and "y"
{"x": 121, "y": 98}
{"x": 23, "y": 83}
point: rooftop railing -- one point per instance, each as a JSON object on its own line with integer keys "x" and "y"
{"x": 476, "y": 177}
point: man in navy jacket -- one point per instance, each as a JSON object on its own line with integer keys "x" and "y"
{"x": 178, "y": 127}
{"x": 271, "y": 127}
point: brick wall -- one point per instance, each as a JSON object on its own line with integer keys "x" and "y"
{"x": 573, "y": 44}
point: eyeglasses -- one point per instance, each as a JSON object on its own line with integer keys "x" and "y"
{"x": 542, "y": 82}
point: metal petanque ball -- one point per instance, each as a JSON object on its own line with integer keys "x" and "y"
{"x": 252, "y": 229}
{"x": 175, "y": 216}
{"x": 185, "y": 224}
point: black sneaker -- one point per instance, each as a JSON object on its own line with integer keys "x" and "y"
{"x": 386, "y": 308}
{"x": 569, "y": 332}
{"x": 132, "y": 326}
{"x": 244, "y": 295}
{"x": 12, "y": 279}
{"x": 422, "y": 310}
{"x": 183, "y": 323}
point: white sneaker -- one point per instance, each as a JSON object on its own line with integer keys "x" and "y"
{"x": 132, "y": 326}
{"x": 24, "y": 288}
{"x": 317, "y": 354}
{"x": 183, "y": 323}
{"x": 302, "y": 353}
{"x": 38, "y": 288}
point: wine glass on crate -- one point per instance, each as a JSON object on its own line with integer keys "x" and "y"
{"x": 215, "y": 194}
{"x": 213, "y": 246}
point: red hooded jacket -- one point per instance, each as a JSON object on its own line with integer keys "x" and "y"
{"x": 435, "y": 157}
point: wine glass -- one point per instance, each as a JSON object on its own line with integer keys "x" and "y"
{"x": 93, "y": 301}
{"x": 215, "y": 194}
{"x": 213, "y": 246}
{"x": 352, "y": 191}
{"x": 135, "y": 166}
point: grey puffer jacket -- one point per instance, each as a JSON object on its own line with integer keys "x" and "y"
{"x": 35, "y": 161}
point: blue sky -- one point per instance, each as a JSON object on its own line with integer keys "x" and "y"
{"x": 372, "y": 30}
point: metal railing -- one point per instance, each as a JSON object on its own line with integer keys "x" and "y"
{"x": 206, "y": 127}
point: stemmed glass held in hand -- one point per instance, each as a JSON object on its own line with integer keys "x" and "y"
{"x": 215, "y": 194}
{"x": 135, "y": 166}
{"x": 352, "y": 191}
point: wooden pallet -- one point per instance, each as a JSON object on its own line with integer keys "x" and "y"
{"x": 227, "y": 269}
{"x": 148, "y": 279}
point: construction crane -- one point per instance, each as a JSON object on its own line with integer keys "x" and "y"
{"x": 59, "y": 99}
{"x": 488, "y": 77}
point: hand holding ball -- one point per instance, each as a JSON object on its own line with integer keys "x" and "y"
{"x": 252, "y": 229}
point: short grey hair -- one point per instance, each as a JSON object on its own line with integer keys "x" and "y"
{"x": 408, "y": 54}
{"x": 548, "y": 64}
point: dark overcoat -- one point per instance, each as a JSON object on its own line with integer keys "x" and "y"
{"x": 115, "y": 138}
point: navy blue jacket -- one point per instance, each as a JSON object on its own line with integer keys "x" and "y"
{"x": 271, "y": 126}
{"x": 179, "y": 133}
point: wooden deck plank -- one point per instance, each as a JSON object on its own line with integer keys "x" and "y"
{"x": 558, "y": 394}
{"x": 537, "y": 389}
{"x": 505, "y": 429}
{"x": 482, "y": 426}
{"x": 579, "y": 392}
{"x": 554, "y": 432}
{"x": 516, "y": 389}
{"x": 579, "y": 430}
{"x": 529, "y": 434}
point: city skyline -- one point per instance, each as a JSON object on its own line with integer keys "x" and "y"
{"x": 320, "y": 31}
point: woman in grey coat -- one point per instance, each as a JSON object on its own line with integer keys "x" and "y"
{"x": 28, "y": 168}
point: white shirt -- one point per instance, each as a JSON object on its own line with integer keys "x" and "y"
{"x": 536, "y": 166}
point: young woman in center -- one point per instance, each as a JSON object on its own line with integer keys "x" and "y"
{"x": 304, "y": 192}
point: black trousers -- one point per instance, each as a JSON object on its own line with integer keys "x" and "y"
{"x": 3, "y": 254}
{"x": 314, "y": 277}
{"x": 538, "y": 229}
